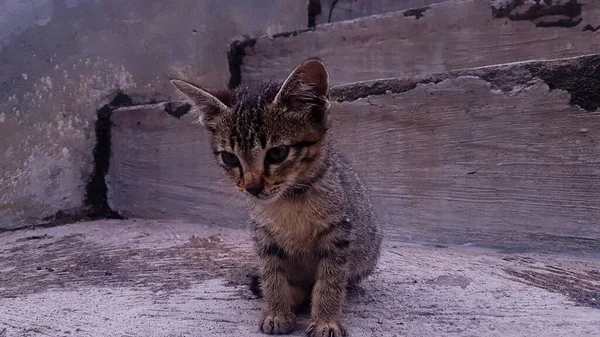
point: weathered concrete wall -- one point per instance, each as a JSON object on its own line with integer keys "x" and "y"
{"x": 504, "y": 156}
{"x": 60, "y": 61}
{"x": 446, "y": 36}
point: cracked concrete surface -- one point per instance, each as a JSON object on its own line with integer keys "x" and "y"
{"x": 159, "y": 278}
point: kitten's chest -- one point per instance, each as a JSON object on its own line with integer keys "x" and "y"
{"x": 294, "y": 226}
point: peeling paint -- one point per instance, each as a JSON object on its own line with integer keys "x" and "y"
{"x": 578, "y": 77}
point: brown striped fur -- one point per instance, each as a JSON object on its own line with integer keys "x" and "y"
{"x": 313, "y": 225}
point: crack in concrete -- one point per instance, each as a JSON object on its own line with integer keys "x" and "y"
{"x": 314, "y": 9}
{"x": 331, "y": 8}
{"x": 591, "y": 28}
{"x": 235, "y": 59}
{"x": 416, "y": 12}
{"x": 96, "y": 189}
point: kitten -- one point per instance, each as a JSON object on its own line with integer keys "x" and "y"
{"x": 313, "y": 225}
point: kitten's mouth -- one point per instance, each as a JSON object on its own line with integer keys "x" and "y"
{"x": 266, "y": 196}
{"x": 277, "y": 191}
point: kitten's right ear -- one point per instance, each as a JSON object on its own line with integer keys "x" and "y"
{"x": 308, "y": 82}
{"x": 305, "y": 91}
{"x": 209, "y": 106}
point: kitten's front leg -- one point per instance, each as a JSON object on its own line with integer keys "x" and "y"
{"x": 329, "y": 293}
{"x": 277, "y": 317}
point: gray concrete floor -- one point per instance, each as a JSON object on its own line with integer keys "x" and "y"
{"x": 157, "y": 278}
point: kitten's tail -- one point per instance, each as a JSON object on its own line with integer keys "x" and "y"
{"x": 255, "y": 285}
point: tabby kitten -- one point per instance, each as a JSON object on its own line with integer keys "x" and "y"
{"x": 313, "y": 225}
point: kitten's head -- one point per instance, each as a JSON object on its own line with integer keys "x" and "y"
{"x": 269, "y": 138}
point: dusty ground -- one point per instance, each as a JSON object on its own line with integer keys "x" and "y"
{"x": 153, "y": 278}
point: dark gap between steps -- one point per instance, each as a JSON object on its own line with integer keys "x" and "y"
{"x": 96, "y": 200}
{"x": 314, "y": 10}
{"x": 235, "y": 58}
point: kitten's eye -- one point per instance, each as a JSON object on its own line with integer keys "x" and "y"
{"x": 230, "y": 159}
{"x": 277, "y": 154}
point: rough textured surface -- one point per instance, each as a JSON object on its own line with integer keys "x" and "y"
{"x": 499, "y": 156}
{"x": 60, "y": 61}
{"x": 446, "y": 36}
{"x": 153, "y": 278}
{"x": 517, "y": 169}
{"x": 162, "y": 167}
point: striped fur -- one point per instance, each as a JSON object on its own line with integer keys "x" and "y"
{"x": 313, "y": 226}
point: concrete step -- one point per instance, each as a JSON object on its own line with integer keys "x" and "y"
{"x": 442, "y": 37}
{"x": 144, "y": 278}
{"x": 503, "y": 156}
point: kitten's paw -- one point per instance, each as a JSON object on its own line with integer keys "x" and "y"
{"x": 325, "y": 329}
{"x": 278, "y": 323}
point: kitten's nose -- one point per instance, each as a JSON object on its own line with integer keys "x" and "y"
{"x": 255, "y": 188}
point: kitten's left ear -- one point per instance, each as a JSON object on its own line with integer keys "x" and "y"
{"x": 210, "y": 107}
{"x": 306, "y": 88}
